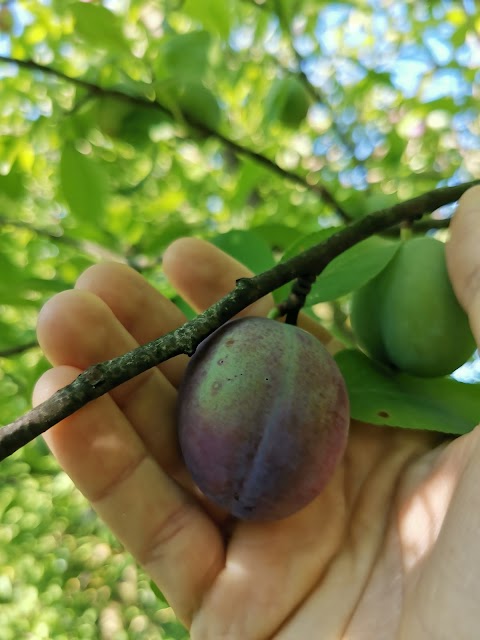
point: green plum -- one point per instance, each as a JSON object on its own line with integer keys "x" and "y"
{"x": 288, "y": 102}
{"x": 408, "y": 316}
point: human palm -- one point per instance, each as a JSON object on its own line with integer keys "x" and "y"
{"x": 389, "y": 550}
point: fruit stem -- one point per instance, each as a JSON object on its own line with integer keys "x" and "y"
{"x": 406, "y": 230}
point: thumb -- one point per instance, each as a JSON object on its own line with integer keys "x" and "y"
{"x": 463, "y": 256}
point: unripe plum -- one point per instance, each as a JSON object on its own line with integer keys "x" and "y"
{"x": 408, "y": 316}
{"x": 263, "y": 418}
{"x": 289, "y": 101}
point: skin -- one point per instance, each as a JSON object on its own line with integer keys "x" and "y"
{"x": 390, "y": 550}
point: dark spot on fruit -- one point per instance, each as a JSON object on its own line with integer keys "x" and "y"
{"x": 383, "y": 414}
{"x": 230, "y": 342}
{"x": 221, "y": 361}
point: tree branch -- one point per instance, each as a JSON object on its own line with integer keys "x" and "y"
{"x": 105, "y": 376}
{"x": 420, "y": 226}
{"x": 315, "y": 92}
{"x": 236, "y": 147}
{"x": 17, "y": 349}
{"x": 88, "y": 247}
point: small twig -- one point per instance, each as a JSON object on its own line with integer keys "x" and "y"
{"x": 103, "y": 377}
{"x": 18, "y": 349}
{"x": 293, "y": 304}
{"x": 406, "y": 230}
{"x": 420, "y": 226}
{"x": 315, "y": 93}
{"x": 236, "y": 147}
{"x": 88, "y": 247}
{"x": 430, "y": 223}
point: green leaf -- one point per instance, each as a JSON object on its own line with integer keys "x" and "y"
{"x": 352, "y": 269}
{"x": 458, "y": 36}
{"x": 396, "y": 149}
{"x": 185, "y": 56}
{"x": 10, "y": 281}
{"x": 246, "y": 247}
{"x": 157, "y": 592}
{"x": 250, "y": 175}
{"x": 306, "y": 242}
{"x": 179, "y": 302}
{"x": 215, "y": 15}
{"x": 278, "y": 236}
{"x": 287, "y": 9}
{"x": 165, "y": 232}
{"x": 379, "y": 201}
{"x": 12, "y": 185}
{"x": 383, "y": 397}
{"x": 19, "y": 287}
{"x": 37, "y": 456}
{"x": 83, "y": 184}
{"x": 99, "y": 26}
{"x": 137, "y": 123}
{"x": 198, "y": 104}
{"x": 354, "y": 204}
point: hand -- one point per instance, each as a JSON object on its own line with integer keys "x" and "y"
{"x": 390, "y": 550}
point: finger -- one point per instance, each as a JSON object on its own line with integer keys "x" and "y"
{"x": 315, "y": 328}
{"x": 203, "y": 274}
{"x": 139, "y": 307}
{"x": 269, "y": 569}
{"x": 463, "y": 256}
{"x": 78, "y": 329}
{"x": 147, "y": 315}
{"x": 158, "y": 522}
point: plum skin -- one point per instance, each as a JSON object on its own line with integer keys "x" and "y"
{"x": 263, "y": 418}
{"x": 408, "y": 316}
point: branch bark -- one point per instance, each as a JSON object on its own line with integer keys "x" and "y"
{"x": 237, "y": 148}
{"x": 105, "y": 376}
{"x": 88, "y": 247}
{"x": 315, "y": 92}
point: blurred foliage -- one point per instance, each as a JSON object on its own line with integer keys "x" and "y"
{"x": 62, "y": 574}
{"x": 152, "y": 120}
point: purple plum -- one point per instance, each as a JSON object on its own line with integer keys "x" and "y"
{"x": 263, "y": 418}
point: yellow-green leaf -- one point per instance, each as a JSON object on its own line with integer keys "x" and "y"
{"x": 83, "y": 184}
{"x": 215, "y": 15}
{"x": 99, "y": 26}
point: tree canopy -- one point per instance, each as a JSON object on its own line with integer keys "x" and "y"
{"x": 125, "y": 124}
